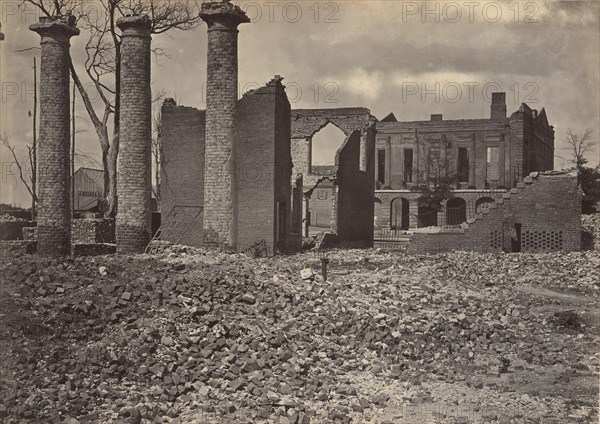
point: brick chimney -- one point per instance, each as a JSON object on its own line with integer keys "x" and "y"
{"x": 498, "y": 106}
{"x": 53, "y": 159}
{"x": 220, "y": 214}
{"x": 133, "y": 225}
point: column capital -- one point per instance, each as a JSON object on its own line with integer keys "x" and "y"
{"x": 60, "y": 27}
{"x": 135, "y": 25}
{"x": 223, "y": 14}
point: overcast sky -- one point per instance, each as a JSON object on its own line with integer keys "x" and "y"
{"x": 410, "y": 58}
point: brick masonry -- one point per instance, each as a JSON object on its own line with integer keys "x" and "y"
{"x": 356, "y": 190}
{"x": 182, "y": 171}
{"x": 14, "y": 230}
{"x": 264, "y": 169}
{"x": 133, "y": 224}
{"x": 53, "y": 163}
{"x": 91, "y": 231}
{"x": 546, "y": 207}
{"x": 220, "y": 212}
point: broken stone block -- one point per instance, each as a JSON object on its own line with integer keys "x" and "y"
{"x": 307, "y": 274}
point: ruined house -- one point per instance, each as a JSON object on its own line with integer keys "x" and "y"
{"x": 482, "y": 157}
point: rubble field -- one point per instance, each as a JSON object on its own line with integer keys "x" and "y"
{"x": 192, "y": 336}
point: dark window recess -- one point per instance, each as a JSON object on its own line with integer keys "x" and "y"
{"x": 408, "y": 165}
{"x": 434, "y": 162}
{"x": 463, "y": 165}
{"x": 381, "y": 166}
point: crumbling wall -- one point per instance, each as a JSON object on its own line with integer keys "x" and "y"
{"x": 541, "y": 214}
{"x": 307, "y": 122}
{"x": 263, "y": 167}
{"x": 182, "y": 173}
{"x": 356, "y": 163}
{"x": 356, "y": 191}
{"x": 90, "y": 231}
{"x": 13, "y": 229}
{"x": 323, "y": 197}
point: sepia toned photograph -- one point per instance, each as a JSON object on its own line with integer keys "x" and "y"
{"x": 299, "y": 212}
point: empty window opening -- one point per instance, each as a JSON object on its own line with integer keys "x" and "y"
{"x": 456, "y": 211}
{"x": 381, "y": 167}
{"x": 324, "y": 147}
{"x": 463, "y": 165}
{"x": 492, "y": 165}
{"x": 400, "y": 214}
{"x": 434, "y": 163}
{"x": 408, "y": 165}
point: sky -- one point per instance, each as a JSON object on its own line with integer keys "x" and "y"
{"x": 411, "y": 58}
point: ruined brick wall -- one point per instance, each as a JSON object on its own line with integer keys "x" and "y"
{"x": 307, "y": 122}
{"x": 53, "y": 161}
{"x": 283, "y": 166}
{"x": 321, "y": 203}
{"x": 301, "y": 154}
{"x": 133, "y": 225}
{"x": 90, "y": 231}
{"x": 355, "y": 197}
{"x": 537, "y": 153}
{"x": 254, "y": 138}
{"x": 13, "y": 229}
{"x": 263, "y": 172}
{"x": 222, "y": 19}
{"x": 443, "y": 240}
{"x": 547, "y": 207}
{"x": 182, "y": 173}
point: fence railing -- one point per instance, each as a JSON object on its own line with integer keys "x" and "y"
{"x": 390, "y": 239}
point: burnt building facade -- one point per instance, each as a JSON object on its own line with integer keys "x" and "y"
{"x": 478, "y": 159}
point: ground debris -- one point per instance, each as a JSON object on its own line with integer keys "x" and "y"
{"x": 202, "y": 336}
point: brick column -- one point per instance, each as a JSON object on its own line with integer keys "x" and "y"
{"x": 222, "y": 18}
{"x": 134, "y": 172}
{"x": 53, "y": 159}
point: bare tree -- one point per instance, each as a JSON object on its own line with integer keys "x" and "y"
{"x": 103, "y": 61}
{"x": 30, "y": 182}
{"x": 578, "y": 145}
{"x": 157, "y": 148}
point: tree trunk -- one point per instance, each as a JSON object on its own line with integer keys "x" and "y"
{"x": 106, "y": 179}
{"x": 113, "y": 154}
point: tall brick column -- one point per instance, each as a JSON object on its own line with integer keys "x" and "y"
{"x": 53, "y": 163}
{"x": 222, "y": 18}
{"x": 134, "y": 173}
